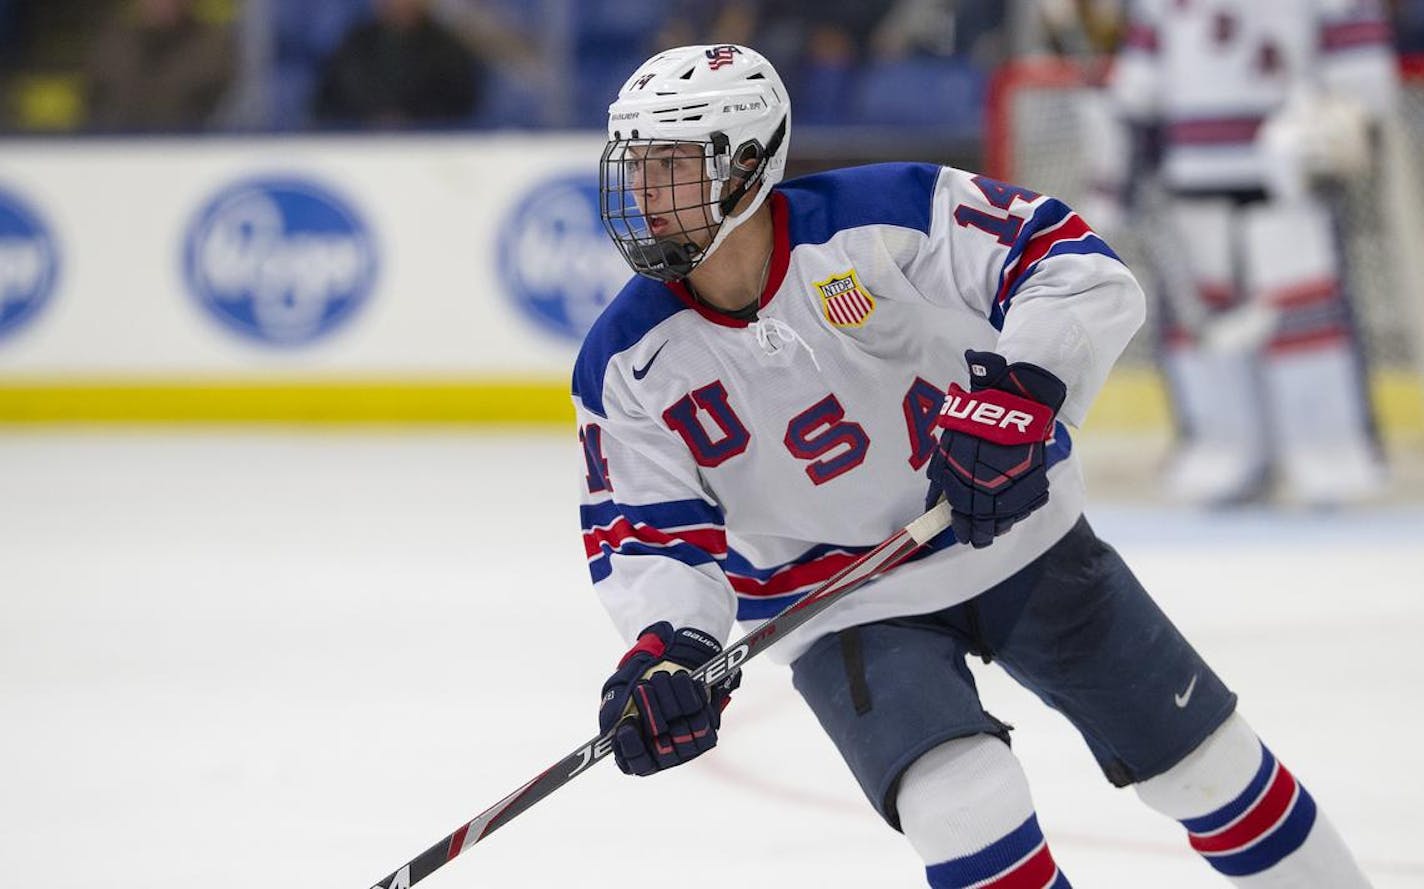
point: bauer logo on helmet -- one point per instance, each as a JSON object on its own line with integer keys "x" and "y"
{"x": 725, "y": 109}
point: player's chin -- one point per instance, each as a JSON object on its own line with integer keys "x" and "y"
{"x": 699, "y": 235}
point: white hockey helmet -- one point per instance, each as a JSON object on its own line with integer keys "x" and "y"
{"x": 726, "y": 101}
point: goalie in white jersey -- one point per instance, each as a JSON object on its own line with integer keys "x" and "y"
{"x": 759, "y": 406}
{"x": 1260, "y": 110}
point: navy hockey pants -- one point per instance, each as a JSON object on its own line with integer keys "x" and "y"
{"x": 1074, "y": 626}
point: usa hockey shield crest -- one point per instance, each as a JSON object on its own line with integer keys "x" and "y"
{"x": 845, "y": 302}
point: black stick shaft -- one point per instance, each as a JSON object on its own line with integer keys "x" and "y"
{"x": 891, "y": 552}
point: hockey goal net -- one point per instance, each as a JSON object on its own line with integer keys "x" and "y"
{"x": 1035, "y": 137}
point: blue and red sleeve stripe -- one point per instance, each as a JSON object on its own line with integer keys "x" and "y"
{"x": 690, "y": 531}
{"x": 1053, "y": 230}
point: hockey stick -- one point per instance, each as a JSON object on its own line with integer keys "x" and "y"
{"x": 891, "y": 552}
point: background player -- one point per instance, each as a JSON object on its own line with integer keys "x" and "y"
{"x": 1256, "y": 113}
{"x": 756, "y": 409}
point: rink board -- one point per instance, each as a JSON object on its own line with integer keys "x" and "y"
{"x": 1132, "y": 400}
{"x": 334, "y": 279}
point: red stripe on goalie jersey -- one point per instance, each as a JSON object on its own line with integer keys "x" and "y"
{"x": 1141, "y": 37}
{"x": 1350, "y": 35}
{"x": 1214, "y": 130}
{"x": 1312, "y": 315}
{"x": 1070, "y": 228}
{"x": 1304, "y": 294}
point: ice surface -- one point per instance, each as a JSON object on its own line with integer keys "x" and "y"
{"x": 238, "y": 659}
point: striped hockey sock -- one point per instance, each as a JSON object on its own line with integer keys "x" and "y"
{"x": 1265, "y": 835}
{"x": 1258, "y": 829}
{"x": 966, "y": 808}
{"x": 1020, "y": 860}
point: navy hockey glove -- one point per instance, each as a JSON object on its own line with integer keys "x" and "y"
{"x": 989, "y": 462}
{"x": 664, "y": 716}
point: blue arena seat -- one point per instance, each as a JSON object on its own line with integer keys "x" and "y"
{"x": 930, "y": 92}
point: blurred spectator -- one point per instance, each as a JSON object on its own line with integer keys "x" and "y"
{"x": 818, "y": 47}
{"x": 399, "y": 68}
{"x": 9, "y": 16}
{"x": 1081, "y": 28}
{"x": 972, "y": 30}
{"x": 906, "y": 63}
{"x": 523, "y": 86}
{"x": 155, "y": 66}
{"x": 489, "y": 31}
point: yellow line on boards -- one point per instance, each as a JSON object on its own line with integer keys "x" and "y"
{"x": 299, "y": 402}
{"x": 1132, "y": 400}
{"x": 1136, "y": 400}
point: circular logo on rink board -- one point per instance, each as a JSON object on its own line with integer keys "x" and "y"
{"x": 281, "y": 261}
{"x": 555, "y": 258}
{"x": 27, "y": 263}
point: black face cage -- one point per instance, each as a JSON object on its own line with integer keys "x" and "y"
{"x": 647, "y": 170}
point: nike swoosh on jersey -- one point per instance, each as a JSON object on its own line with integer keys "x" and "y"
{"x": 640, "y": 372}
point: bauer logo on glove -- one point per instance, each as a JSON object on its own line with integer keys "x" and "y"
{"x": 989, "y": 463}
{"x": 1005, "y": 418}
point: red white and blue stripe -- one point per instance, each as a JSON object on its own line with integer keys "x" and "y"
{"x": 1368, "y": 31}
{"x": 1142, "y": 37}
{"x": 1257, "y": 830}
{"x": 1215, "y": 132}
{"x": 766, "y": 592}
{"x": 690, "y": 531}
{"x": 1053, "y": 230}
{"x": 1020, "y": 860}
{"x": 1312, "y": 315}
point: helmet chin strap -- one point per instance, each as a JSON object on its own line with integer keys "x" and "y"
{"x": 665, "y": 259}
{"x": 673, "y": 259}
{"x": 724, "y": 207}
{"x": 727, "y": 204}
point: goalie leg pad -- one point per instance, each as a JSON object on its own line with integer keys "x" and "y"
{"x": 1320, "y": 419}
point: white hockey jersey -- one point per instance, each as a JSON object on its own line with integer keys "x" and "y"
{"x": 734, "y": 466}
{"x": 1213, "y": 71}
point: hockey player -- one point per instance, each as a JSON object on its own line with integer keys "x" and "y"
{"x": 759, "y": 406}
{"x": 1256, "y": 111}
